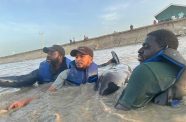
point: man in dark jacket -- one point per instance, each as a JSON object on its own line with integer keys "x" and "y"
{"x": 55, "y": 63}
{"x": 157, "y": 73}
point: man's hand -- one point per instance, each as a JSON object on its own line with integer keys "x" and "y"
{"x": 52, "y": 89}
{"x": 17, "y": 104}
{"x": 21, "y": 103}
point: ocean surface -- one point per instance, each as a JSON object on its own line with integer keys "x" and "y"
{"x": 83, "y": 104}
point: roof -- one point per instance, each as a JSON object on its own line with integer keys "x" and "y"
{"x": 177, "y": 5}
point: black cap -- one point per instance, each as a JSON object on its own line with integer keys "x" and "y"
{"x": 57, "y": 48}
{"x": 83, "y": 50}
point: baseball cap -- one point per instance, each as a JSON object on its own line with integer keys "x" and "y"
{"x": 54, "y": 48}
{"x": 83, "y": 50}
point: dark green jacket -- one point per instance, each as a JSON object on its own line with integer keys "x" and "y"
{"x": 147, "y": 80}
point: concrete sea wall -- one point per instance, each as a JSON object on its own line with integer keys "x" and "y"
{"x": 115, "y": 39}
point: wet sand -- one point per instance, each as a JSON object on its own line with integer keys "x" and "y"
{"x": 83, "y": 104}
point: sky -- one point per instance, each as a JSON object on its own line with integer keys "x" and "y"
{"x": 27, "y": 25}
